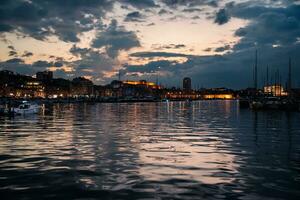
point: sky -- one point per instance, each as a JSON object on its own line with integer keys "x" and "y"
{"x": 211, "y": 41}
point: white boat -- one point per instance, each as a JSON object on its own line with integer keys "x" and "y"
{"x": 27, "y": 108}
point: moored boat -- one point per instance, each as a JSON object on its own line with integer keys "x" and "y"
{"x": 26, "y": 108}
{"x": 272, "y": 103}
{"x": 256, "y": 105}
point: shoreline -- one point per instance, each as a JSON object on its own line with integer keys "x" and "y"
{"x": 93, "y": 100}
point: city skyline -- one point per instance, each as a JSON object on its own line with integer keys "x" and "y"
{"x": 213, "y": 42}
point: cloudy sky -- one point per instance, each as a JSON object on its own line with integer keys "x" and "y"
{"x": 211, "y": 41}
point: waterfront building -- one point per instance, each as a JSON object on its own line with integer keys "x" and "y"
{"x": 81, "y": 86}
{"x": 275, "y": 90}
{"x": 34, "y": 89}
{"x": 179, "y": 94}
{"x": 218, "y": 96}
{"x": 187, "y": 84}
{"x": 142, "y": 83}
{"x": 58, "y": 88}
{"x": 218, "y": 93}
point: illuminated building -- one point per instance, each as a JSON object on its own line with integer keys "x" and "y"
{"x": 31, "y": 89}
{"x": 35, "y": 89}
{"x": 187, "y": 84}
{"x": 218, "y": 93}
{"x": 178, "y": 94}
{"x": 275, "y": 90}
{"x": 142, "y": 83}
{"x": 218, "y": 96}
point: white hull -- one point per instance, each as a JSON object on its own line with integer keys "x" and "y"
{"x": 31, "y": 109}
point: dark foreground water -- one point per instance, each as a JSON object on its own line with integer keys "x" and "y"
{"x": 178, "y": 150}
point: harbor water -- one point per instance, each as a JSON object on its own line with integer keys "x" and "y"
{"x": 165, "y": 150}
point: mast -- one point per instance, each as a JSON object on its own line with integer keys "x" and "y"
{"x": 290, "y": 76}
{"x": 255, "y": 71}
{"x": 278, "y": 82}
{"x": 267, "y": 75}
{"x": 280, "y": 78}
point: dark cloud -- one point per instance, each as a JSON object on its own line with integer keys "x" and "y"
{"x": 58, "y": 64}
{"x": 65, "y": 19}
{"x": 91, "y": 63}
{"x": 115, "y": 39}
{"x": 190, "y": 3}
{"x": 12, "y": 53}
{"x": 190, "y": 10}
{"x": 196, "y": 17}
{"x": 17, "y": 65}
{"x": 222, "y": 49}
{"x": 142, "y": 4}
{"x": 27, "y": 54}
{"x": 76, "y": 51}
{"x": 274, "y": 26}
{"x": 164, "y": 12}
{"x": 11, "y": 47}
{"x": 41, "y": 64}
{"x": 15, "y": 60}
{"x": 158, "y": 54}
{"x": 151, "y": 67}
{"x": 151, "y": 24}
{"x": 134, "y": 17}
{"x": 222, "y": 17}
{"x": 169, "y": 46}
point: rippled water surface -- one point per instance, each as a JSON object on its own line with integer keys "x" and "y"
{"x": 177, "y": 150}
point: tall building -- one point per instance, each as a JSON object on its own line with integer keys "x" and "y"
{"x": 187, "y": 83}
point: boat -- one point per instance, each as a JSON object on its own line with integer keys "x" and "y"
{"x": 256, "y": 105}
{"x": 26, "y": 108}
{"x": 272, "y": 103}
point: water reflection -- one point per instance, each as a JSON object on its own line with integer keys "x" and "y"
{"x": 208, "y": 149}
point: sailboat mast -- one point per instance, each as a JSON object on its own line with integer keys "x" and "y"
{"x": 255, "y": 71}
{"x": 290, "y": 76}
{"x": 267, "y": 75}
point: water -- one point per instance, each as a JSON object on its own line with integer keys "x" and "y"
{"x": 177, "y": 150}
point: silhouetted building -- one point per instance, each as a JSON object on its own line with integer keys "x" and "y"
{"x": 187, "y": 84}
{"x": 44, "y": 76}
{"x": 58, "y": 88}
{"x": 82, "y": 87}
